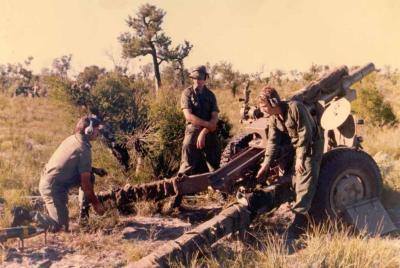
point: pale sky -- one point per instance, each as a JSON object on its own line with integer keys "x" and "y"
{"x": 284, "y": 34}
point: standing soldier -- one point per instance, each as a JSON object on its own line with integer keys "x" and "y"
{"x": 36, "y": 90}
{"x": 200, "y": 145}
{"x": 292, "y": 119}
{"x": 71, "y": 166}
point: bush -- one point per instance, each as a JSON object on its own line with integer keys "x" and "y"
{"x": 119, "y": 102}
{"x": 371, "y": 106}
{"x": 166, "y": 130}
{"x": 161, "y": 140}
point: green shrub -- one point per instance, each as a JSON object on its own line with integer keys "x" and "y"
{"x": 166, "y": 126}
{"x": 160, "y": 143}
{"x": 119, "y": 102}
{"x": 371, "y": 106}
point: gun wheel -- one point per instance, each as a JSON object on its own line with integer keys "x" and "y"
{"x": 347, "y": 176}
{"x": 235, "y": 146}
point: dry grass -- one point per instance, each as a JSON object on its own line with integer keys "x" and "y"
{"x": 31, "y": 129}
{"x": 134, "y": 252}
{"x": 323, "y": 246}
{"x": 146, "y": 208}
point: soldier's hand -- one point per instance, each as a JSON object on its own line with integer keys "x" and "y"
{"x": 101, "y": 172}
{"x": 99, "y": 208}
{"x": 201, "y": 140}
{"x": 300, "y": 166}
{"x": 212, "y": 127}
{"x": 261, "y": 171}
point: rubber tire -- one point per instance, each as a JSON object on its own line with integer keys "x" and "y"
{"x": 333, "y": 166}
{"x": 236, "y": 145}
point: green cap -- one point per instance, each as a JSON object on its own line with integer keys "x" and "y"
{"x": 199, "y": 72}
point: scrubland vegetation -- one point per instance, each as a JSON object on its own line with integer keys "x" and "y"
{"x": 33, "y": 127}
{"x": 151, "y": 126}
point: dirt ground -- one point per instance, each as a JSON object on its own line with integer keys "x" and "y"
{"x": 100, "y": 249}
{"x": 132, "y": 238}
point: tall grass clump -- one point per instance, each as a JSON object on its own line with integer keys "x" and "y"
{"x": 331, "y": 245}
{"x": 162, "y": 138}
{"x": 327, "y": 245}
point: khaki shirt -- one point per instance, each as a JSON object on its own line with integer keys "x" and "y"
{"x": 202, "y": 104}
{"x": 298, "y": 124}
{"x": 72, "y": 158}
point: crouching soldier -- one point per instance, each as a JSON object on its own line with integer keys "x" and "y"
{"x": 71, "y": 166}
{"x": 292, "y": 119}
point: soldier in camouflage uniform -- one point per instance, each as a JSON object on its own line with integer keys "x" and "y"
{"x": 292, "y": 119}
{"x": 71, "y": 166}
{"x": 200, "y": 145}
{"x": 200, "y": 109}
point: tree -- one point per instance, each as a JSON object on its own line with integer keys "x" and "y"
{"x": 178, "y": 54}
{"x": 148, "y": 38}
{"x": 224, "y": 73}
{"x": 313, "y": 72}
{"x": 62, "y": 65}
{"x": 90, "y": 75}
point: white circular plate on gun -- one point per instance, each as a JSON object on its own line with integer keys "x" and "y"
{"x": 335, "y": 114}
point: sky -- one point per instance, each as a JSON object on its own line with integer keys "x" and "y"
{"x": 253, "y": 35}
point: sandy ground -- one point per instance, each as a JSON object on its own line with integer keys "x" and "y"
{"x": 100, "y": 249}
{"x": 132, "y": 238}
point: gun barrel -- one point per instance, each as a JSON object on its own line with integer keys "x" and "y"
{"x": 358, "y": 74}
{"x": 19, "y": 232}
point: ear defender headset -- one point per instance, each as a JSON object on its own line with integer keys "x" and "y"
{"x": 89, "y": 129}
{"x": 274, "y": 102}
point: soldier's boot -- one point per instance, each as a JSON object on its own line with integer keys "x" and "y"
{"x": 176, "y": 201}
{"x": 295, "y": 230}
{"x": 84, "y": 207}
{"x": 20, "y": 216}
{"x": 44, "y": 221}
{"x": 83, "y": 220}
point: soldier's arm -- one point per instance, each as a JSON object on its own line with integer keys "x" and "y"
{"x": 85, "y": 171}
{"x": 214, "y": 119}
{"x": 88, "y": 189}
{"x": 196, "y": 120}
{"x": 214, "y": 113}
{"x": 304, "y": 131}
{"x": 213, "y": 122}
{"x": 273, "y": 141}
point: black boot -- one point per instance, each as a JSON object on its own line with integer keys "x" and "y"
{"x": 83, "y": 220}
{"x": 20, "y": 216}
{"x": 176, "y": 201}
{"x": 298, "y": 226}
{"x": 295, "y": 230}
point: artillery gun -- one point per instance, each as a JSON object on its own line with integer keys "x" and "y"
{"x": 348, "y": 175}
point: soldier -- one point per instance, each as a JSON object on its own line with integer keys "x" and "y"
{"x": 292, "y": 119}
{"x": 36, "y": 90}
{"x": 70, "y": 166}
{"x": 200, "y": 145}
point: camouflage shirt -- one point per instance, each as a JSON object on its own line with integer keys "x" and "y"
{"x": 296, "y": 123}
{"x": 72, "y": 158}
{"x": 202, "y": 104}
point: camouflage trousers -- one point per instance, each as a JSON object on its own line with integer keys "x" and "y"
{"x": 55, "y": 197}
{"x": 305, "y": 184}
{"x": 196, "y": 161}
